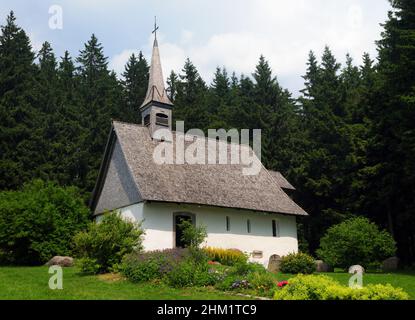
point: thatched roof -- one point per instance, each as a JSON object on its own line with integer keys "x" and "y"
{"x": 281, "y": 181}
{"x": 208, "y": 184}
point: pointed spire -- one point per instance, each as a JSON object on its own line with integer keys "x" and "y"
{"x": 156, "y": 91}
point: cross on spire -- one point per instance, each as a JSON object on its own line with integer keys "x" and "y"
{"x": 156, "y": 91}
{"x": 155, "y": 28}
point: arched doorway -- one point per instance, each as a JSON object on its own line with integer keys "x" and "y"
{"x": 178, "y": 218}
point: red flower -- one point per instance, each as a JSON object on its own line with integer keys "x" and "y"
{"x": 282, "y": 284}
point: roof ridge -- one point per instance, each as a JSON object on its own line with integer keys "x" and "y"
{"x": 129, "y": 123}
{"x": 213, "y": 185}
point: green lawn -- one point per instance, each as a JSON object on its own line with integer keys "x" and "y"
{"x": 32, "y": 283}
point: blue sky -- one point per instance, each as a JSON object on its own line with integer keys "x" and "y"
{"x": 211, "y": 33}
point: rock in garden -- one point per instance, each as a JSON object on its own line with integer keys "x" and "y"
{"x": 356, "y": 269}
{"x": 60, "y": 261}
{"x": 321, "y": 266}
{"x": 274, "y": 263}
{"x": 390, "y": 264}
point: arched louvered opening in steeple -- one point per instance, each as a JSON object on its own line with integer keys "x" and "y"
{"x": 162, "y": 119}
{"x": 146, "y": 120}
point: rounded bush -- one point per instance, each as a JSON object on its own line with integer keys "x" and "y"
{"x": 297, "y": 263}
{"x": 39, "y": 222}
{"x": 356, "y": 241}
{"x": 107, "y": 242}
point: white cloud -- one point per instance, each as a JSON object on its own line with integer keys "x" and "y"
{"x": 117, "y": 62}
{"x": 35, "y": 42}
{"x": 283, "y": 31}
{"x": 186, "y": 37}
{"x": 172, "y": 55}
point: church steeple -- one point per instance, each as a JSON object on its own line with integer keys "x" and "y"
{"x": 156, "y": 108}
{"x": 156, "y": 91}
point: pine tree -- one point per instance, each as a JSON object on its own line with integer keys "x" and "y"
{"x": 321, "y": 176}
{"x": 20, "y": 138}
{"x": 218, "y": 99}
{"x": 101, "y": 98}
{"x": 135, "y": 86}
{"x": 391, "y": 156}
{"x": 67, "y": 157}
{"x": 172, "y": 82}
{"x": 190, "y": 101}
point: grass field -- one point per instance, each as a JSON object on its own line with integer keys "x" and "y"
{"x": 32, "y": 283}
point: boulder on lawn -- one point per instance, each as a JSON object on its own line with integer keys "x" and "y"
{"x": 356, "y": 269}
{"x": 390, "y": 264}
{"x": 274, "y": 263}
{"x": 60, "y": 261}
{"x": 321, "y": 266}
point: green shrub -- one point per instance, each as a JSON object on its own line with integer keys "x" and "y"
{"x": 187, "y": 274}
{"x": 181, "y": 275}
{"x": 39, "y": 222}
{"x": 228, "y": 257}
{"x": 382, "y": 292}
{"x": 193, "y": 236}
{"x": 320, "y": 287}
{"x": 177, "y": 267}
{"x": 243, "y": 268}
{"x": 356, "y": 241}
{"x": 108, "y": 241}
{"x": 226, "y": 283}
{"x": 297, "y": 263}
{"x": 263, "y": 283}
{"x": 88, "y": 265}
{"x": 145, "y": 266}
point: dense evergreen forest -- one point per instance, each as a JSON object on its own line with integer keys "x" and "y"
{"x": 347, "y": 143}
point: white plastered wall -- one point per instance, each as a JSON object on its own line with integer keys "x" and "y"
{"x": 158, "y": 224}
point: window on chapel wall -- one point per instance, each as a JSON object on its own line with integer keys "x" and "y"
{"x": 228, "y": 224}
{"x": 248, "y": 226}
{"x": 178, "y": 218}
{"x": 275, "y": 229}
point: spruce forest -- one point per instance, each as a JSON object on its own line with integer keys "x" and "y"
{"x": 347, "y": 143}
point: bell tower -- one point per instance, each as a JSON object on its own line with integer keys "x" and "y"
{"x": 156, "y": 109}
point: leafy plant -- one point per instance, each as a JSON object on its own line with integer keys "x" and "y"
{"x": 188, "y": 273}
{"x": 88, "y": 265}
{"x": 227, "y": 257}
{"x": 192, "y": 235}
{"x": 263, "y": 283}
{"x": 144, "y": 266}
{"x": 297, "y": 263}
{"x": 108, "y": 241}
{"x": 356, "y": 241}
{"x": 319, "y": 287}
{"x": 38, "y": 222}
